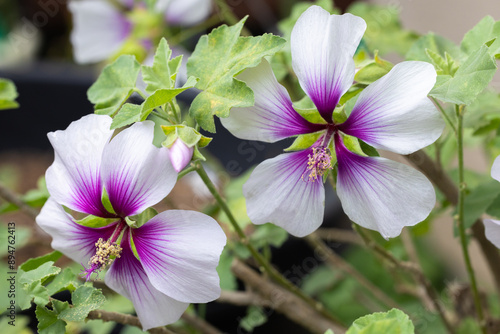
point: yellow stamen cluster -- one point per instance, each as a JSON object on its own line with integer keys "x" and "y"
{"x": 104, "y": 251}
{"x": 319, "y": 162}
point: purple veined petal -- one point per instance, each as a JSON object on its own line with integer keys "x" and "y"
{"x": 272, "y": 118}
{"x": 74, "y": 180}
{"x": 322, "y": 48}
{"x": 184, "y": 12}
{"x": 492, "y": 231}
{"x": 394, "y": 113}
{"x": 127, "y": 277}
{"x": 380, "y": 194}
{"x": 73, "y": 240}
{"x": 99, "y": 30}
{"x": 495, "y": 169}
{"x": 278, "y": 191}
{"x": 180, "y": 251}
{"x": 135, "y": 173}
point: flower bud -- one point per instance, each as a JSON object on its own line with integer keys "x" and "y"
{"x": 180, "y": 154}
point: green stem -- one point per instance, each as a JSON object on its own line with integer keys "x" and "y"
{"x": 265, "y": 266}
{"x": 446, "y": 117}
{"x": 175, "y": 111}
{"x": 185, "y": 171}
{"x": 460, "y": 218}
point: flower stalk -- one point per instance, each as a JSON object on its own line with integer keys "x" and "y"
{"x": 460, "y": 221}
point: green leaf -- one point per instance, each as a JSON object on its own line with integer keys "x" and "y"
{"x": 469, "y": 81}
{"x": 370, "y": 73}
{"x": 435, "y": 43}
{"x": 304, "y": 141}
{"x": 163, "y": 96}
{"x": 41, "y": 273}
{"x": 384, "y": 30}
{"x": 494, "y": 207}
{"x": 65, "y": 280}
{"x": 48, "y": 323}
{"x": 159, "y": 75}
{"x": 114, "y": 86}
{"x": 394, "y": 322}
{"x": 38, "y": 261}
{"x": 227, "y": 279}
{"x": 128, "y": 114}
{"x": 216, "y": 60}
{"x": 84, "y": 299}
{"x": 255, "y": 317}
{"x": 483, "y": 32}
{"x": 8, "y": 93}
{"x": 268, "y": 234}
{"x": 37, "y": 292}
{"x": 329, "y": 332}
{"x": 478, "y": 200}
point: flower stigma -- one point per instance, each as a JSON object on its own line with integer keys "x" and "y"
{"x": 106, "y": 252}
{"x": 320, "y": 161}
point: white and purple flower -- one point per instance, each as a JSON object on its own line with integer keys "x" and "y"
{"x": 392, "y": 114}
{"x": 161, "y": 266}
{"x": 100, "y": 28}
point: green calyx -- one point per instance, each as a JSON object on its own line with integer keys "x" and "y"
{"x": 190, "y": 136}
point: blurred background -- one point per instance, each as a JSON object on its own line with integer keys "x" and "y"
{"x": 36, "y": 53}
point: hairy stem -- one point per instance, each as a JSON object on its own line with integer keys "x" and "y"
{"x": 461, "y": 219}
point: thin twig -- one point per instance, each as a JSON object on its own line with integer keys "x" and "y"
{"x": 337, "y": 262}
{"x": 445, "y": 184}
{"x": 284, "y": 302}
{"x": 240, "y": 298}
{"x": 124, "y": 319}
{"x": 13, "y": 198}
{"x": 200, "y": 324}
{"x": 413, "y": 255}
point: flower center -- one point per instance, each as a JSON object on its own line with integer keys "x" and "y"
{"x": 106, "y": 252}
{"x": 320, "y": 161}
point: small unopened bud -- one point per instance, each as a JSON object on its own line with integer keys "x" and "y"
{"x": 180, "y": 154}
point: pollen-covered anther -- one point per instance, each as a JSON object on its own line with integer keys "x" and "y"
{"x": 320, "y": 161}
{"x": 106, "y": 252}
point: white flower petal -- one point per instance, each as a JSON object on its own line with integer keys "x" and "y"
{"x": 394, "y": 113}
{"x": 322, "y": 49}
{"x": 135, "y": 173}
{"x": 380, "y": 194}
{"x": 73, "y": 240}
{"x": 492, "y": 231}
{"x": 180, "y": 251}
{"x": 184, "y": 12}
{"x": 495, "y": 169}
{"x": 278, "y": 191}
{"x": 99, "y": 30}
{"x": 272, "y": 118}
{"x": 73, "y": 180}
{"x": 127, "y": 277}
